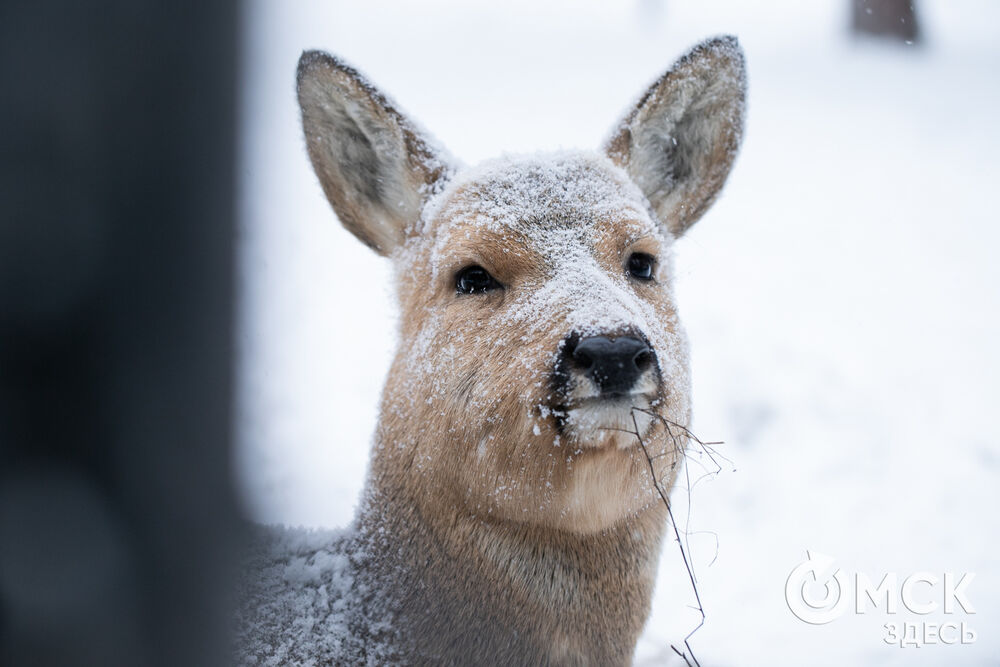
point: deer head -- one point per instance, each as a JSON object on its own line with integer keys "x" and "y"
{"x": 539, "y": 333}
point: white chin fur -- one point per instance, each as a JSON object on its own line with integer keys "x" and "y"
{"x": 608, "y": 422}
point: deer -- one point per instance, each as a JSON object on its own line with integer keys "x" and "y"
{"x": 510, "y": 515}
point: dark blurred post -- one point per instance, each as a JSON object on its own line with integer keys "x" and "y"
{"x": 116, "y": 244}
{"x": 892, "y": 19}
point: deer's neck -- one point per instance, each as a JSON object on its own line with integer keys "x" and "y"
{"x": 462, "y": 587}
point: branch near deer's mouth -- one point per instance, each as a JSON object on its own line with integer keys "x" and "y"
{"x": 680, "y": 436}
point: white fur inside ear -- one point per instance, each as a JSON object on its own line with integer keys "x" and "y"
{"x": 679, "y": 142}
{"x": 376, "y": 169}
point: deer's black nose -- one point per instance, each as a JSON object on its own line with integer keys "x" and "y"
{"x": 614, "y": 364}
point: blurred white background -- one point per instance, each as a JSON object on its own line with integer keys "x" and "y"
{"x": 841, "y": 298}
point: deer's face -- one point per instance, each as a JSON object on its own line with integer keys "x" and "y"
{"x": 539, "y": 332}
{"x": 540, "y": 350}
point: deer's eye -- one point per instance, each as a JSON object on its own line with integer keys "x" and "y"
{"x": 474, "y": 280}
{"x": 640, "y": 266}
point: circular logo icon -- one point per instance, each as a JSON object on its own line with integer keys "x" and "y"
{"x": 814, "y": 591}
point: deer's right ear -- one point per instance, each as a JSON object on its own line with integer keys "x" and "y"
{"x": 679, "y": 142}
{"x": 375, "y": 167}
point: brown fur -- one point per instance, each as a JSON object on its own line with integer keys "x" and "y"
{"x": 497, "y": 530}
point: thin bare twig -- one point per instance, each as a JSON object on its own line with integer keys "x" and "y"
{"x": 684, "y": 546}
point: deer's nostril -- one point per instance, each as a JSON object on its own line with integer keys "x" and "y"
{"x": 583, "y": 357}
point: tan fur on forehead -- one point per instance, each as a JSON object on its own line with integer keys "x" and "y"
{"x": 541, "y": 191}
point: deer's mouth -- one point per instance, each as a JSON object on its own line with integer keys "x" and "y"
{"x": 607, "y": 421}
{"x": 586, "y": 396}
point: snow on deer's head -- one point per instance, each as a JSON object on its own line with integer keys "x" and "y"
{"x": 537, "y": 314}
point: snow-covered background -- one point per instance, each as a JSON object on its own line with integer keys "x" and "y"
{"x": 842, "y": 298}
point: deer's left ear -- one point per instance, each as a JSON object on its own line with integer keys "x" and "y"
{"x": 375, "y": 167}
{"x": 679, "y": 142}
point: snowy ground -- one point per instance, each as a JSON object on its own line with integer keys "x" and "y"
{"x": 841, "y": 298}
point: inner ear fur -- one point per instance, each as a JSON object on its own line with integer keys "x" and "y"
{"x": 376, "y": 168}
{"x": 679, "y": 141}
